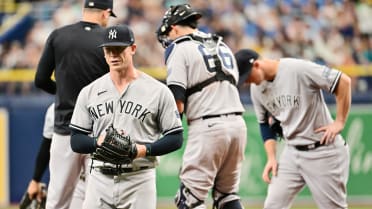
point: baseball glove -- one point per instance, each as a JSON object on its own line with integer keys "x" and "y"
{"x": 34, "y": 203}
{"x": 116, "y": 148}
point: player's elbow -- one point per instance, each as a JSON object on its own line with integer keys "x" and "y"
{"x": 346, "y": 79}
{"x": 45, "y": 84}
{"x": 344, "y": 85}
{"x": 179, "y": 141}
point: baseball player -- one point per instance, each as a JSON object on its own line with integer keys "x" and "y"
{"x": 202, "y": 74}
{"x": 315, "y": 153}
{"x": 35, "y": 187}
{"x": 36, "y": 190}
{"x": 143, "y": 109}
{"x": 71, "y": 53}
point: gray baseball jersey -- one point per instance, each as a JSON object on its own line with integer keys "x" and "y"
{"x": 187, "y": 68}
{"x": 144, "y": 111}
{"x": 296, "y": 100}
{"x": 216, "y": 126}
{"x": 49, "y": 122}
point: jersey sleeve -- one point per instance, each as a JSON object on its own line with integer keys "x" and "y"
{"x": 259, "y": 109}
{"x": 81, "y": 119}
{"x": 177, "y": 68}
{"x": 169, "y": 117}
{"x": 46, "y": 67}
{"x": 320, "y": 76}
{"x": 49, "y": 122}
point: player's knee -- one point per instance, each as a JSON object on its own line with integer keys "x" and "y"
{"x": 185, "y": 199}
{"x": 226, "y": 201}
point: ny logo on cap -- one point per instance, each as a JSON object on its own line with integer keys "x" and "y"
{"x": 91, "y": 4}
{"x": 112, "y": 34}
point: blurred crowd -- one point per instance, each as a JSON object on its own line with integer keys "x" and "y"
{"x": 331, "y": 32}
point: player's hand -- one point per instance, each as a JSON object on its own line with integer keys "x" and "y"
{"x": 42, "y": 192}
{"x": 330, "y": 132}
{"x": 101, "y": 138}
{"x": 271, "y": 167}
{"x": 33, "y": 189}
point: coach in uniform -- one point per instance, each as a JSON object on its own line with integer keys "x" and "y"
{"x": 315, "y": 153}
{"x": 202, "y": 74}
{"x": 142, "y": 109}
{"x": 71, "y": 53}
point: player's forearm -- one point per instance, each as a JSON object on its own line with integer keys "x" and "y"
{"x": 270, "y": 148}
{"x": 343, "y": 98}
{"x": 180, "y": 106}
{"x": 165, "y": 145}
{"x": 45, "y": 83}
{"x": 82, "y": 143}
{"x": 42, "y": 159}
{"x": 43, "y": 76}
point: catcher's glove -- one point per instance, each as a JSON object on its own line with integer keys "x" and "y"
{"x": 116, "y": 148}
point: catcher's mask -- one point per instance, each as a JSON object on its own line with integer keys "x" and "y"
{"x": 181, "y": 13}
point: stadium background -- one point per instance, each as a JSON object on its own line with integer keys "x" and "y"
{"x": 333, "y": 32}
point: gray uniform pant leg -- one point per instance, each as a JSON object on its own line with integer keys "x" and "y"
{"x": 135, "y": 190}
{"x": 324, "y": 170}
{"x": 79, "y": 192}
{"x": 214, "y": 155}
{"x": 65, "y": 167}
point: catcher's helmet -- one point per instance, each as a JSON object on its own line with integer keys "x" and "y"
{"x": 175, "y": 15}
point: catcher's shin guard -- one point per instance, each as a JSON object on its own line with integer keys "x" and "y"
{"x": 226, "y": 200}
{"x": 186, "y": 200}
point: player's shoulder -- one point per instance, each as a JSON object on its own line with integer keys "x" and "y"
{"x": 152, "y": 83}
{"x": 66, "y": 28}
{"x": 298, "y": 66}
{"x": 63, "y": 31}
{"x": 79, "y": 28}
{"x": 185, "y": 43}
{"x": 292, "y": 61}
{"x": 173, "y": 47}
{"x": 151, "y": 80}
{"x": 96, "y": 84}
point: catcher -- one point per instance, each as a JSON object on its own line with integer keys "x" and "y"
{"x": 125, "y": 119}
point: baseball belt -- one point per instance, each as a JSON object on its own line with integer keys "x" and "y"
{"x": 309, "y": 146}
{"x": 220, "y": 115}
{"x": 107, "y": 170}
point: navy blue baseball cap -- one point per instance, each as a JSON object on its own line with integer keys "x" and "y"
{"x": 244, "y": 59}
{"x": 100, "y": 4}
{"x": 118, "y": 35}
